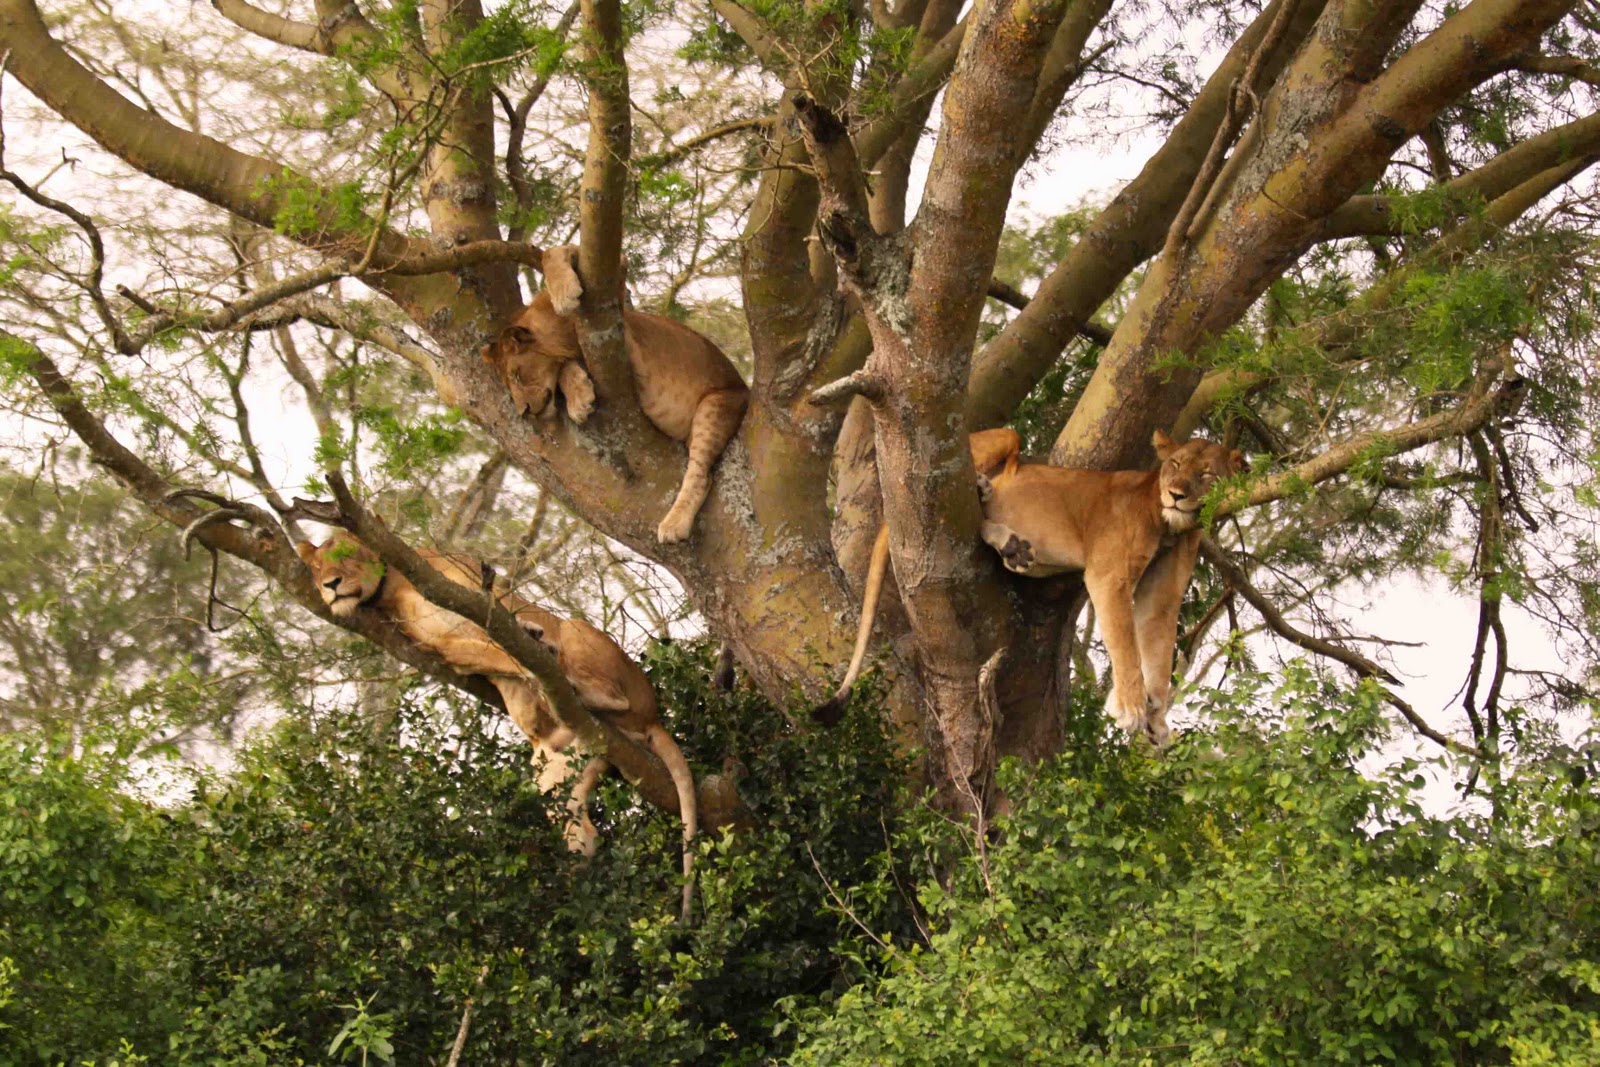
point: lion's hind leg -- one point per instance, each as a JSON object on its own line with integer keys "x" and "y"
{"x": 716, "y": 420}
{"x": 1016, "y": 551}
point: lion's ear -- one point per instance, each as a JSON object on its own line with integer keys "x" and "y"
{"x": 561, "y": 279}
{"x": 1236, "y": 461}
{"x": 511, "y": 338}
{"x": 306, "y": 550}
{"x": 1163, "y": 444}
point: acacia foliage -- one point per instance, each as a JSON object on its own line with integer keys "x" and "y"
{"x": 1258, "y": 896}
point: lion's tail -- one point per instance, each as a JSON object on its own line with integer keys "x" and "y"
{"x": 667, "y": 750}
{"x": 829, "y": 713}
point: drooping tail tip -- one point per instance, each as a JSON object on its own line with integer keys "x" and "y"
{"x": 831, "y": 711}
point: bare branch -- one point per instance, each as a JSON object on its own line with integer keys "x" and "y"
{"x": 299, "y": 35}
{"x": 1238, "y": 580}
{"x": 260, "y": 546}
{"x": 1473, "y": 414}
{"x": 861, "y": 383}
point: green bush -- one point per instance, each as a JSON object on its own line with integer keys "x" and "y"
{"x": 365, "y": 882}
{"x": 1260, "y": 894}
{"x": 1253, "y": 897}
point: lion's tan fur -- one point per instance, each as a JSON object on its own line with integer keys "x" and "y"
{"x": 348, "y": 576}
{"x": 1133, "y": 534}
{"x": 686, "y": 386}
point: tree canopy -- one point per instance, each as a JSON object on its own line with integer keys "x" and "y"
{"x": 254, "y": 251}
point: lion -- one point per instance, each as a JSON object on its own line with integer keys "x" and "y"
{"x": 1135, "y": 536}
{"x": 607, "y": 682}
{"x": 992, "y": 450}
{"x": 686, "y": 386}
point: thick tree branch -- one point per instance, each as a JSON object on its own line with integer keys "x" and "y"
{"x": 1122, "y": 236}
{"x": 1335, "y": 334}
{"x": 1013, "y": 297}
{"x": 1574, "y": 67}
{"x": 752, "y": 31}
{"x": 1315, "y": 144}
{"x": 603, "y": 192}
{"x": 917, "y": 85}
{"x": 1065, "y": 63}
{"x": 1362, "y": 215}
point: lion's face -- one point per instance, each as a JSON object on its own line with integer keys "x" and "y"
{"x": 347, "y": 572}
{"x": 1187, "y": 474}
{"x": 528, "y": 356}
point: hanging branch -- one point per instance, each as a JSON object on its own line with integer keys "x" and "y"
{"x": 1237, "y": 579}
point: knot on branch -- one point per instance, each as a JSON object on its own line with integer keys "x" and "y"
{"x": 821, "y": 124}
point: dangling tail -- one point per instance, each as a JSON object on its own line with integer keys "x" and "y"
{"x": 829, "y": 713}
{"x": 667, "y": 750}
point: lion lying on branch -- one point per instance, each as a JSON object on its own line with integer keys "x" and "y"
{"x": 686, "y": 386}
{"x": 349, "y": 576}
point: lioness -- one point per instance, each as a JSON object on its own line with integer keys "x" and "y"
{"x": 992, "y": 450}
{"x": 349, "y": 575}
{"x": 1134, "y": 536}
{"x": 686, "y": 386}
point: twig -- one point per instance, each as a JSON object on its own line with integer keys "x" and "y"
{"x": 466, "y": 1021}
{"x": 1236, "y": 578}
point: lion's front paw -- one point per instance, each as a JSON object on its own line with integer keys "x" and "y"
{"x": 579, "y": 392}
{"x": 675, "y": 527}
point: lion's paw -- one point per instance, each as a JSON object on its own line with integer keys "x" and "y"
{"x": 579, "y": 408}
{"x": 1017, "y": 554}
{"x": 675, "y": 527}
{"x": 578, "y": 388}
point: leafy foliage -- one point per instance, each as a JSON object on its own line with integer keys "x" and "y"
{"x": 1252, "y": 898}
{"x": 351, "y": 885}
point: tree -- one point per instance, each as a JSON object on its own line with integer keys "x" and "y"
{"x": 1334, "y": 258}
{"x": 113, "y": 626}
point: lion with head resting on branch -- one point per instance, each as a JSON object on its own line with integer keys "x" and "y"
{"x": 1134, "y": 534}
{"x": 687, "y": 387}
{"x": 349, "y": 576}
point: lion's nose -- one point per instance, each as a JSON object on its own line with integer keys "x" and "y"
{"x": 331, "y": 584}
{"x": 1177, "y": 495}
